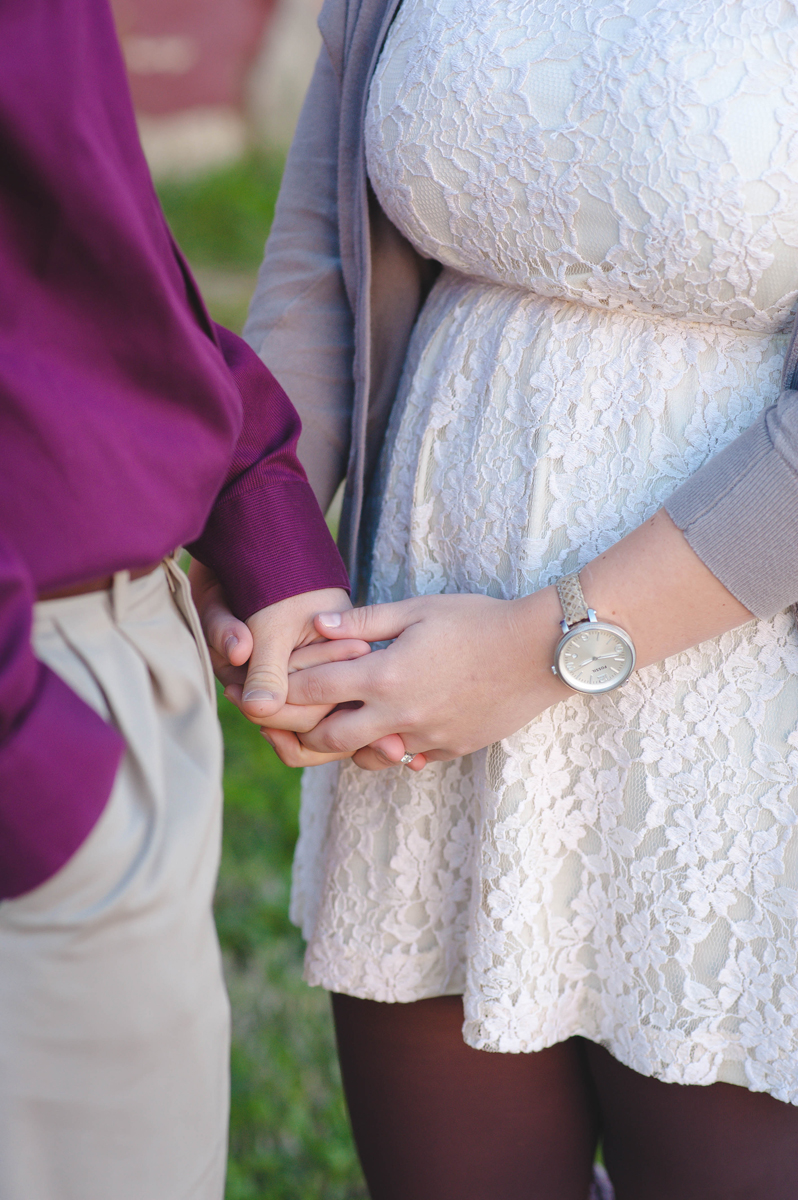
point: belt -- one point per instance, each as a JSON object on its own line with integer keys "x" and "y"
{"x": 101, "y": 584}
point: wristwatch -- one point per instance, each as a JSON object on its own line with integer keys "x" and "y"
{"x": 592, "y": 656}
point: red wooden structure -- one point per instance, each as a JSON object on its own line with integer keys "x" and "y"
{"x": 186, "y": 54}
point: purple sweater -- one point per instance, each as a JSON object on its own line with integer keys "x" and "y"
{"x": 129, "y": 424}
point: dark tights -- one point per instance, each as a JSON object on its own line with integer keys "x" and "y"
{"x": 435, "y": 1120}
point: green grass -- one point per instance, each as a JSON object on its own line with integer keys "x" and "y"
{"x": 221, "y": 219}
{"x": 289, "y": 1135}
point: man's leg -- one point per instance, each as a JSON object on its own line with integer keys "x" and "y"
{"x": 435, "y": 1120}
{"x": 113, "y": 1015}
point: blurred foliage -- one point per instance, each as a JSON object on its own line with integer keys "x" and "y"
{"x": 289, "y": 1134}
{"x": 221, "y": 218}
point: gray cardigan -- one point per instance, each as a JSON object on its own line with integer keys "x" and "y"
{"x": 338, "y": 294}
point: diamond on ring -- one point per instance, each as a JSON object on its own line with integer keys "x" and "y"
{"x": 407, "y": 758}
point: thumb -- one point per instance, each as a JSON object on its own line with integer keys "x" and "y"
{"x": 224, "y": 633}
{"x": 266, "y": 685}
{"x": 372, "y": 623}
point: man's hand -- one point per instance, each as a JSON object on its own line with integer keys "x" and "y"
{"x": 251, "y": 659}
{"x": 229, "y": 640}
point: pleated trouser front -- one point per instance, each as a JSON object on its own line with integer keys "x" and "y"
{"x": 114, "y": 1021}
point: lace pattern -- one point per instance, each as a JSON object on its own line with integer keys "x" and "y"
{"x": 626, "y": 866}
{"x": 626, "y": 153}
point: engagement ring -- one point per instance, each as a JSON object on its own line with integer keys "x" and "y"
{"x": 407, "y": 758}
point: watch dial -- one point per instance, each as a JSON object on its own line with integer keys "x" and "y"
{"x": 595, "y": 660}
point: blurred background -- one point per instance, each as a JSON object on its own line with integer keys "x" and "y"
{"x": 217, "y": 86}
{"x": 211, "y": 78}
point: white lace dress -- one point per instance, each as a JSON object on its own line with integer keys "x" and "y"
{"x": 612, "y": 187}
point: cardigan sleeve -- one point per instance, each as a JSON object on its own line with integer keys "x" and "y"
{"x": 300, "y": 320}
{"x": 739, "y": 511}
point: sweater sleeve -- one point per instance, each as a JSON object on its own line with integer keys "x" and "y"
{"x": 266, "y": 537}
{"x": 300, "y": 320}
{"x": 739, "y": 511}
{"x": 58, "y": 757}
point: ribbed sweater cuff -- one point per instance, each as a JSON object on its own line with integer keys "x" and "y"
{"x": 739, "y": 512}
{"x": 268, "y": 544}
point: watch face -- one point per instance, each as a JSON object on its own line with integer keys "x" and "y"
{"x": 595, "y": 657}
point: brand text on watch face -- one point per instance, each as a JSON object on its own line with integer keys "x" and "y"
{"x": 595, "y": 658}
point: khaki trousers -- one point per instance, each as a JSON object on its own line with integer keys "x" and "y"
{"x": 114, "y": 1021}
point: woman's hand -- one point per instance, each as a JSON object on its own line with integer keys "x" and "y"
{"x": 280, "y": 729}
{"x": 465, "y": 671}
{"x": 294, "y": 717}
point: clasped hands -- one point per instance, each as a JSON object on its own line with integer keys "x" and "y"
{"x": 460, "y": 672}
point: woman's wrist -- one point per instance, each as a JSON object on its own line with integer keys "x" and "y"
{"x": 538, "y": 632}
{"x": 653, "y": 586}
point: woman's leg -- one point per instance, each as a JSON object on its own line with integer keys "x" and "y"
{"x": 663, "y": 1141}
{"x": 435, "y": 1120}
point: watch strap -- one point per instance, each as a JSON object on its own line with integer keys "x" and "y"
{"x": 574, "y": 608}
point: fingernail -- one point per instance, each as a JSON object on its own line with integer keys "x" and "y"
{"x": 331, "y": 620}
{"x": 230, "y": 644}
{"x": 265, "y": 735}
{"x": 259, "y": 694}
